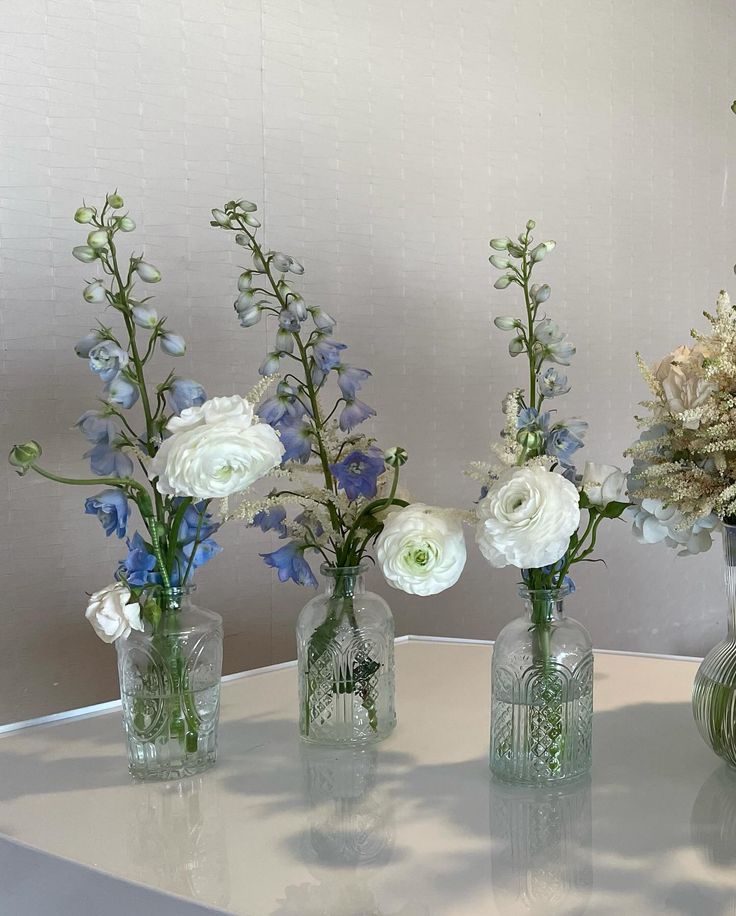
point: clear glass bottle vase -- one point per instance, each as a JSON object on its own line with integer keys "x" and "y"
{"x": 714, "y": 693}
{"x": 345, "y": 652}
{"x": 170, "y": 689}
{"x": 542, "y": 694}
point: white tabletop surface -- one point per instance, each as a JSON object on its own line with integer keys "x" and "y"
{"x": 413, "y": 827}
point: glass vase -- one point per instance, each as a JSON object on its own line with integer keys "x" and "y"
{"x": 345, "y": 652}
{"x": 170, "y": 689}
{"x": 714, "y": 693}
{"x": 542, "y": 694}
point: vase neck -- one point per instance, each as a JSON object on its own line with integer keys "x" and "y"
{"x": 729, "y": 574}
{"x": 544, "y": 603}
{"x": 344, "y": 581}
{"x": 173, "y": 599}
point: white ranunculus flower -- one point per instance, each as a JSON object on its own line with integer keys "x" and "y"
{"x": 681, "y": 375}
{"x": 527, "y": 518}
{"x": 214, "y": 450}
{"x": 604, "y": 484}
{"x": 421, "y": 549}
{"x": 110, "y": 614}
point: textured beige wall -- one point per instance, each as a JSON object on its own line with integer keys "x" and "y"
{"x": 390, "y": 141}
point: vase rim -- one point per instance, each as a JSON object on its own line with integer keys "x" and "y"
{"x": 555, "y": 593}
{"x": 175, "y": 591}
{"x": 327, "y": 569}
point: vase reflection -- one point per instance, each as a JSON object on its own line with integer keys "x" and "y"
{"x": 175, "y": 837}
{"x": 542, "y": 847}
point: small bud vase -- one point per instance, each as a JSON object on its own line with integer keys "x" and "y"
{"x": 714, "y": 694}
{"x": 542, "y": 694}
{"x": 345, "y": 652}
{"x": 170, "y": 689}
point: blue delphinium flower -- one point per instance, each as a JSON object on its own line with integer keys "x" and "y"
{"x": 96, "y": 427}
{"x": 206, "y": 549}
{"x": 357, "y": 474}
{"x": 111, "y": 508}
{"x": 106, "y": 359}
{"x": 565, "y": 439}
{"x": 283, "y": 404}
{"x": 290, "y": 563}
{"x": 531, "y": 419}
{"x": 552, "y": 383}
{"x": 121, "y": 392}
{"x": 351, "y": 380}
{"x": 296, "y": 437}
{"x": 326, "y": 352}
{"x": 185, "y": 392}
{"x": 310, "y": 520}
{"x": 353, "y": 413}
{"x": 190, "y": 523}
{"x": 273, "y": 519}
{"x": 552, "y": 343}
{"x": 138, "y": 568}
{"x": 106, "y": 461}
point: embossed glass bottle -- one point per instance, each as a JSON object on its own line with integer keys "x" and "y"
{"x": 170, "y": 689}
{"x": 542, "y": 694}
{"x": 345, "y": 651}
{"x": 714, "y": 694}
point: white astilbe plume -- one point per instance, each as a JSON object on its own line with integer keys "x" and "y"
{"x": 256, "y": 393}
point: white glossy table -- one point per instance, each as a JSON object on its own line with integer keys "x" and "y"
{"x": 413, "y": 827}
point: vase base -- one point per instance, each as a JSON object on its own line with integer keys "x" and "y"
{"x": 325, "y": 738}
{"x": 150, "y": 772}
{"x": 511, "y": 779}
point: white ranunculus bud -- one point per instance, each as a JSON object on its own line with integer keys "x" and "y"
{"x": 112, "y": 615}
{"x": 84, "y": 253}
{"x": 147, "y": 272}
{"x": 527, "y": 518}
{"x": 97, "y": 239}
{"x": 421, "y": 549}
{"x": 95, "y": 292}
{"x": 215, "y": 450}
{"x": 604, "y": 484}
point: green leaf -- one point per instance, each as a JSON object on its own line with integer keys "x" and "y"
{"x": 614, "y": 510}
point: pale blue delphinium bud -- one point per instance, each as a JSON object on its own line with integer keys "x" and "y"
{"x": 552, "y": 383}
{"x": 322, "y": 321}
{"x": 250, "y": 317}
{"x": 173, "y": 344}
{"x": 287, "y": 321}
{"x": 530, "y": 224}
{"x": 506, "y": 324}
{"x": 284, "y": 341}
{"x": 350, "y": 380}
{"x": 500, "y": 244}
{"x": 501, "y": 263}
{"x": 95, "y": 292}
{"x": 242, "y": 240}
{"x": 115, "y": 201}
{"x": 245, "y": 301}
{"x": 502, "y": 282}
{"x": 540, "y": 293}
{"x": 251, "y": 221}
{"x": 107, "y": 359}
{"x": 85, "y": 215}
{"x": 296, "y": 268}
{"x": 84, "y": 253}
{"x": 246, "y": 206}
{"x": 145, "y": 316}
{"x": 121, "y": 392}
{"x": 126, "y": 224}
{"x": 221, "y": 218}
{"x": 297, "y": 307}
{"x": 280, "y": 261}
{"x": 185, "y": 392}
{"x": 258, "y": 263}
{"x": 270, "y": 365}
{"x": 538, "y": 253}
{"x": 97, "y": 239}
{"x": 516, "y": 346}
{"x": 83, "y": 347}
{"x": 245, "y": 280}
{"x": 147, "y": 272}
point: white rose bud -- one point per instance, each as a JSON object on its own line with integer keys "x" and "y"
{"x": 111, "y": 615}
{"x": 604, "y": 484}
{"x": 147, "y": 272}
{"x": 421, "y": 549}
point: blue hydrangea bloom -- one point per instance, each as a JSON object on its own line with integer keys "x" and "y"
{"x": 350, "y": 380}
{"x": 185, "y": 392}
{"x": 353, "y": 413}
{"x": 290, "y": 563}
{"x": 109, "y": 462}
{"x": 273, "y": 519}
{"x": 326, "y": 353}
{"x": 357, "y": 474}
{"x": 111, "y": 508}
{"x": 296, "y": 437}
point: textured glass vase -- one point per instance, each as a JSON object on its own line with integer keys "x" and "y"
{"x": 345, "y": 651}
{"x": 170, "y": 689}
{"x": 714, "y": 694}
{"x": 542, "y": 694}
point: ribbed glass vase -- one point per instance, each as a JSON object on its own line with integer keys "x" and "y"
{"x": 345, "y": 652}
{"x": 170, "y": 689}
{"x": 542, "y": 694}
{"x": 714, "y": 694}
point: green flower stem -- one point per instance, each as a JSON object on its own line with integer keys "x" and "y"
{"x": 530, "y": 314}
{"x": 120, "y": 483}
{"x": 196, "y": 543}
{"x": 152, "y": 524}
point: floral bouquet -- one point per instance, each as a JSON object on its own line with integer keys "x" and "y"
{"x": 530, "y": 511}
{"x": 189, "y": 451}
{"x": 344, "y": 487}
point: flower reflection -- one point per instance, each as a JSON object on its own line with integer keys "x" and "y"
{"x": 542, "y": 847}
